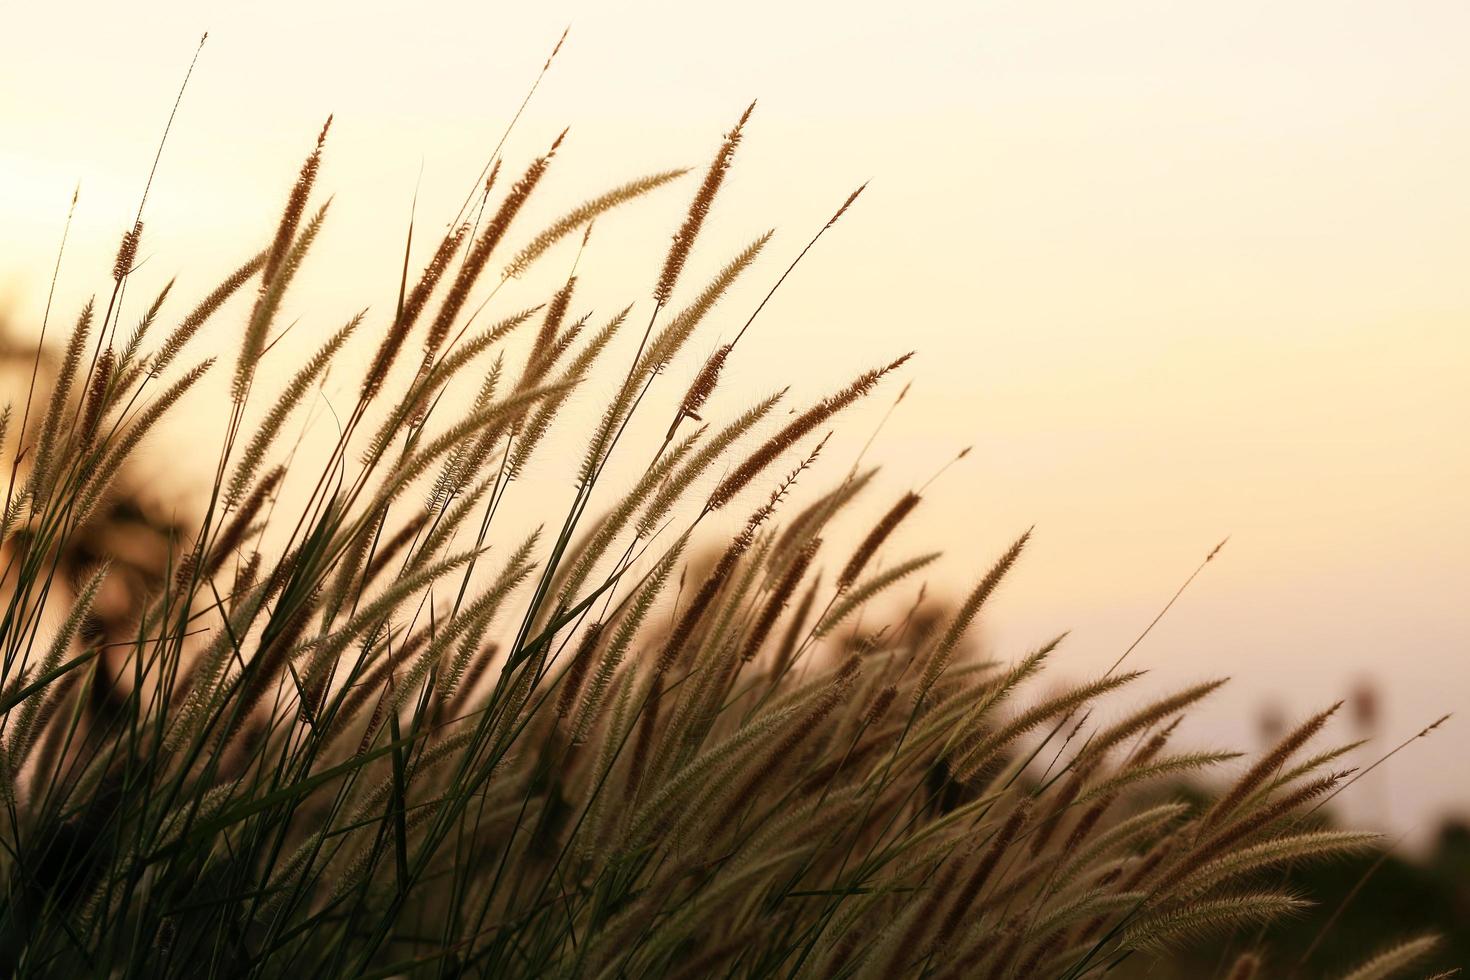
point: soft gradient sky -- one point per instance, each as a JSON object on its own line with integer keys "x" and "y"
{"x": 1176, "y": 271}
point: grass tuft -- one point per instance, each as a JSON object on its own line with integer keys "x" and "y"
{"x": 352, "y": 729}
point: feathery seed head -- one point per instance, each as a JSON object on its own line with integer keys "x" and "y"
{"x": 879, "y": 706}
{"x": 295, "y": 208}
{"x": 127, "y": 252}
{"x": 843, "y": 210}
{"x": 97, "y": 396}
{"x": 698, "y": 210}
{"x": 190, "y": 325}
{"x": 577, "y": 671}
{"x": 780, "y": 596}
{"x": 1267, "y": 765}
{"x": 939, "y": 659}
{"x": 413, "y": 308}
{"x": 479, "y": 253}
{"x": 796, "y": 429}
{"x": 875, "y": 538}
{"x": 702, "y": 386}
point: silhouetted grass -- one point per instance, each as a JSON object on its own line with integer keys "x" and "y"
{"x": 410, "y": 740}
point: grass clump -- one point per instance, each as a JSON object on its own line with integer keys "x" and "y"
{"x": 402, "y": 739}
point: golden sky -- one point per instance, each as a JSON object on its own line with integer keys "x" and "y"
{"x": 1175, "y": 270}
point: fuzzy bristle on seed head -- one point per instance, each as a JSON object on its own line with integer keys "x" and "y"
{"x": 698, "y": 210}
{"x": 939, "y": 659}
{"x": 1267, "y": 765}
{"x": 190, "y": 325}
{"x": 295, "y": 208}
{"x": 48, "y": 444}
{"x": 879, "y": 706}
{"x": 127, "y": 252}
{"x": 577, "y": 671}
{"x": 701, "y": 388}
{"x": 796, "y": 429}
{"x": 1209, "y": 846}
{"x": 479, "y": 254}
{"x": 847, "y": 204}
{"x": 721, "y": 572}
{"x": 234, "y": 532}
{"x": 542, "y": 346}
{"x": 780, "y": 596}
{"x": 702, "y": 600}
{"x": 648, "y": 723}
{"x": 875, "y": 538}
{"x": 413, "y": 308}
{"x": 704, "y": 383}
{"x": 97, "y": 396}
{"x": 585, "y": 214}
{"x": 984, "y": 868}
{"x": 1395, "y": 960}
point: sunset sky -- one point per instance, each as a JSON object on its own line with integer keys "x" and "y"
{"x": 1176, "y": 271}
